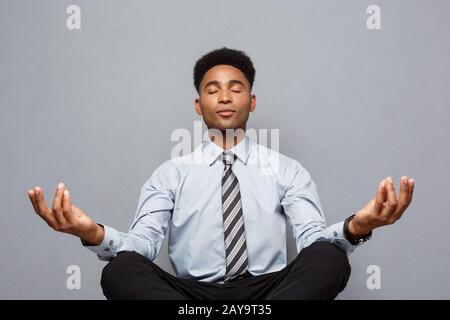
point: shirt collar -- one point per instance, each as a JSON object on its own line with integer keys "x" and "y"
{"x": 211, "y": 151}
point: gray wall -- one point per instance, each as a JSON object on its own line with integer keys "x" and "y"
{"x": 95, "y": 108}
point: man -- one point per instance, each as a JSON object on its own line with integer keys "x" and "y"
{"x": 227, "y": 216}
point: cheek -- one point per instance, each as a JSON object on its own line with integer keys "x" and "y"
{"x": 243, "y": 100}
{"x": 209, "y": 112}
{"x": 244, "y": 107}
{"x": 208, "y": 102}
{"x": 206, "y": 105}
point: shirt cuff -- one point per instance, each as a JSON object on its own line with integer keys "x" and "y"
{"x": 335, "y": 234}
{"x": 108, "y": 248}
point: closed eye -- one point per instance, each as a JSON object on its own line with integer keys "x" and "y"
{"x": 236, "y": 91}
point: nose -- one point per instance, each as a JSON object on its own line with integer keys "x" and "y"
{"x": 224, "y": 97}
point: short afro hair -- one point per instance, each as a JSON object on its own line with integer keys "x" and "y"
{"x": 232, "y": 57}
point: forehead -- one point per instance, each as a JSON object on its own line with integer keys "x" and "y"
{"x": 223, "y": 73}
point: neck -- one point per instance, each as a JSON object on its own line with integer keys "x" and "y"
{"x": 225, "y": 140}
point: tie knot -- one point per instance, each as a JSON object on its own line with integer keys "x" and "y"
{"x": 228, "y": 158}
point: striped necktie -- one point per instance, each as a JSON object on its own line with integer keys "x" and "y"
{"x": 233, "y": 221}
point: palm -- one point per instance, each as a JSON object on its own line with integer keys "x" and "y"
{"x": 81, "y": 219}
{"x": 62, "y": 215}
{"x": 386, "y": 208}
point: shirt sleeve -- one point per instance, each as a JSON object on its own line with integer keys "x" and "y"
{"x": 151, "y": 220}
{"x": 304, "y": 212}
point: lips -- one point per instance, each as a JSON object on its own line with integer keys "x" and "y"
{"x": 226, "y": 112}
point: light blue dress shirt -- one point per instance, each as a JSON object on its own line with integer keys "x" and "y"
{"x": 185, "y": 194}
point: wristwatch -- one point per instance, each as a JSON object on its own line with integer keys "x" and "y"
{"x": 353, "y": 240}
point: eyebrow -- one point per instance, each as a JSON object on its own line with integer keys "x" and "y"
{"x": 217, "y": 83}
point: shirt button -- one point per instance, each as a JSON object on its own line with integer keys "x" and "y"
{"x": 107, "y": 249}
{"x": 111, "y": 242}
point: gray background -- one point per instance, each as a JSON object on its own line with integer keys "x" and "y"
{"x": 95, "y": 108}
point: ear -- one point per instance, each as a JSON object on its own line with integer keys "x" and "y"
{"x": 252, "y": 103}
{"x": 198, "y": 109}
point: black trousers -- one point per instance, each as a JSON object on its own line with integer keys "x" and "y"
{"x": 320, "y": 271}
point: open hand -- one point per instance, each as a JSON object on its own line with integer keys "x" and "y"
{"x": 63, "y": 216}
{"x": 385, "y": 209}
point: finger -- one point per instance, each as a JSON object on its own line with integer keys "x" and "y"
{"x": 33, "y": 202}
{"x": 40, "y": 201}
{"x": 403, "y": 199}
{"x": 57, "y": 204}
{"x": 391, "y": 197}
{"x": 385, "y": 193}
{"x": 379, "y": 199}
{"x": 67, "y": 210}
{"x": 57, "y": 199}
{"x": 42, "y": 209}
{"x": 411, "y": 189}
